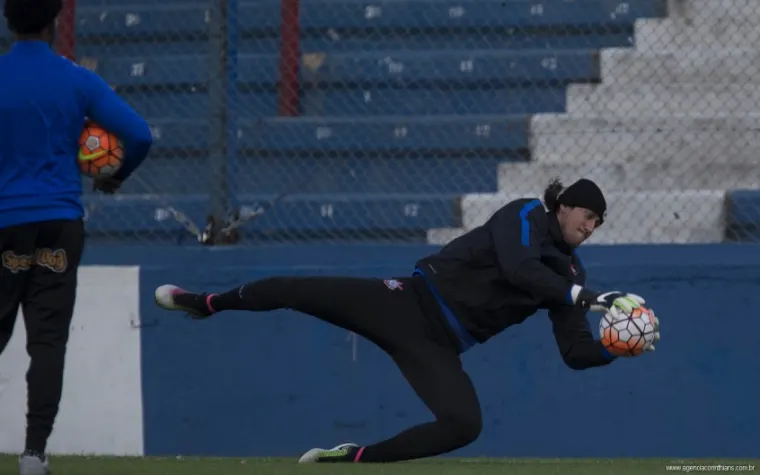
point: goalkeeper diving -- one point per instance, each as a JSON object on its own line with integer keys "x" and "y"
{"x": 495, "y": 276}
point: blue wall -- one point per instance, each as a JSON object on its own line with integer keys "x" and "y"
{"x": 277, "y": 384}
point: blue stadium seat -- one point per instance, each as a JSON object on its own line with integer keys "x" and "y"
{"x": 140, "y": 22}
{"x": 405, "y": 105}
{"x": 381, "y": 42}
{"x": 417, "y": 14}
{"x": 95, "y": 48}
{"x": 139, "y": 19}
{"x": 473, "y": 40}
{"x": 180, "y": 27}
{"x": 171, "y": 176}
{"x": 176, "y": 70}
{"x": 358, "y": 102}
{"x": 168, "y": 105}
{"x": 398, "y": 69}
{"x": 120, "y": 3}
{"x": 396, "y": 214}
{"x": 463, "y": 67}
{"x": 273, "y": 175}
{"x": 743, "y": 215}
{"x": 372, "y": 102}
{"x": 397, "y": 136}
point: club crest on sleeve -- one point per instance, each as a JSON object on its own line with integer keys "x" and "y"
{"x": 573, "y": 269}
{"x": 393, "y": 284}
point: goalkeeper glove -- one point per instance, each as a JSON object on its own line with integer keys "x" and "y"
{"x": 602, "y": 302}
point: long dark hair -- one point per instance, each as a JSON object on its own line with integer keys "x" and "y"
{"x": 551, "y": 193}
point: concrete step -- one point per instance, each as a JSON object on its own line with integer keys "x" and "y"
{"x": 640, "y": 174}
{"x": 626, "y": 66}
{"x": 660, "y": 217}
{"x": 708, "y": 11}
{"x": 693, "y": 140}
{"x": 663, "y": 35}
{"x": 442, "y": 236}
{"x": 668, "y": 99}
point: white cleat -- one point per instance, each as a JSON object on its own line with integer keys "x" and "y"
{"x": 195, "y": 306}
{"x": 165, "y": 296}
{"x": 313, "y": 455}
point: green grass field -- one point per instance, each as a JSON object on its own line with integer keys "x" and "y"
{"x": 239, "y": 466}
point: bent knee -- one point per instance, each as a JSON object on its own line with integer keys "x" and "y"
{"x": 464, "y": 429}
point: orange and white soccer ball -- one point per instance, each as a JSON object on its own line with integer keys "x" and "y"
{"x": 101, "y": 153}
{"x": 628, "y": 335}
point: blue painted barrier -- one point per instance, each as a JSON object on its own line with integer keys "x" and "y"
{"x": 279, "y": 383}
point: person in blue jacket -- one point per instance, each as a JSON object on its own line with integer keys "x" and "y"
{"x": 45, "y": 100}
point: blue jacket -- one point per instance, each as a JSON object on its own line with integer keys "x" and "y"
{"x": 44, "y": 99}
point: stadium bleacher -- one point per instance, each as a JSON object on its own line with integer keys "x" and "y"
{"x": 405, "y": 107}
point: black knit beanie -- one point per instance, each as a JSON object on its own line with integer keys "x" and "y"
{"x": 584, "y": 194}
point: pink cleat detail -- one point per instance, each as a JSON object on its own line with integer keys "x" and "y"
{"x": 208, "y": 303}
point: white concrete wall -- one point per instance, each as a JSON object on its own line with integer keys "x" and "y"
{"x": 101, "y": 408}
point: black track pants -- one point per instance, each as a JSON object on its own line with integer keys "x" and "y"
{"x": 39, "y": 275}
{"x": 391, "y": 316}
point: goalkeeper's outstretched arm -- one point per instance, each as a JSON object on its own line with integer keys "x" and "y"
{"x": 575, "y": 340}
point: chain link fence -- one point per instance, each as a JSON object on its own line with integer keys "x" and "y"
{"x": 414, "y": 120}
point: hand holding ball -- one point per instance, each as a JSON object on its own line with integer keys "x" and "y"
{"x": 101, "y": 153}
{"x": 629, "y": 334}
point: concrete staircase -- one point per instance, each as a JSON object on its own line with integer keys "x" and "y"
{"x": 674, "y": 124}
